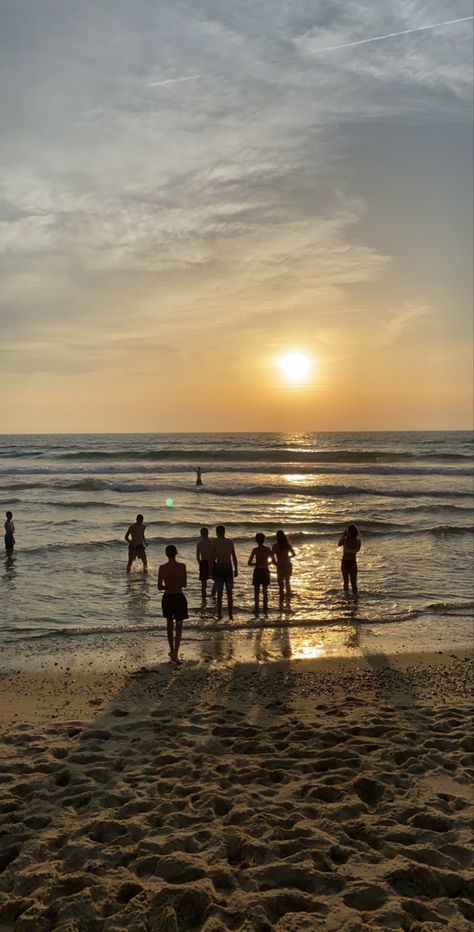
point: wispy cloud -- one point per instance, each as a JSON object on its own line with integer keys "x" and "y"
{"x": 390, "y": 35}
{"x": 168, "y": 81}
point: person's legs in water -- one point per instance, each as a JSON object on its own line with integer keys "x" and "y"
{"x": 230, "y": 600}
{"x": 265, "y": 599}
{"x": 345, "y": 575}
{"x": 256, "y": 590}
{"x": 353, "y": 578}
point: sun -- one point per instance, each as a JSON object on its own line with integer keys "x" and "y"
{"x": 295, "y": 366}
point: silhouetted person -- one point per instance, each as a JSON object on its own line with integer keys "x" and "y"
{"x": 135, "y": 537}
{"x": 260, "y": 558}
{"x": 198, "y": 476}
{"x": 172, "y": 579}
{"x": 223, "y": 567}
{"x": 9, "y": 533}
{"x": 282, "y": 552}
{"x": 203, "y": 555}
{"x": 350, "y": 541}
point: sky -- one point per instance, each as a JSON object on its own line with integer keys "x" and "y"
{"x": 191, "y": 189}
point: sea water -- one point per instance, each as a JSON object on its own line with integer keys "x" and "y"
{"x": 410, "y": 493}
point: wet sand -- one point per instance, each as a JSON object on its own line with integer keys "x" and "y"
{"x": 296, "y": 795}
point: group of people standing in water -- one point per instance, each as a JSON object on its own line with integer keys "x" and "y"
{"x": 218, "y": 565}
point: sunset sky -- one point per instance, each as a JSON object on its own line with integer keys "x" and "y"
{"x": 192, "y": 189}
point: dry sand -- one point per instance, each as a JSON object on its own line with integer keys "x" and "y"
{"x": 288, "y": 796}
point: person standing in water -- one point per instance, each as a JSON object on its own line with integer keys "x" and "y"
{"x": 350, "y": 541}
{"x": 135, "y": 538}
{"x": 260, "y": 558}
{"x": 199, "y": 476}
{"x": 282, "y": 552}
{"x": 172, "y": 579}
{"x": 203, "y": 555}
{"x": 9, "y": 533}
{"x": 223, "y": 567}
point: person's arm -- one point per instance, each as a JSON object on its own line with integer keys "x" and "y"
{"x": 145, "y": 543}
{"x": 161, "y": 582}
{"x": 341, "y": 540}
{"x": 198, "y": 556}
{"x": 250, "y": 563}
{"x": 358, "y": 544}
{"x": 185, "y": 576}
{"x": 291, "y": 551}
{"x": 234, "y": 561}
{"x": 127, "y": 535}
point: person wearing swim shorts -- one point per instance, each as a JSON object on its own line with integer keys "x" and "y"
{"x": 223, "y": 568}
{"x": 260, "y": 558}
{"x": 203, "y": 553}
{"x": 350, "y": 541}
{"x": 172, "y": 579}
{"x": 9, "y": 533}
{"x": 282, "y": 551}
{"x": 135, "y": 537}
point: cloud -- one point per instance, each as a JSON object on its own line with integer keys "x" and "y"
{"x": 224, "y": 198}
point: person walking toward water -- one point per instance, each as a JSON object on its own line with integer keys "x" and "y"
{"x": 9, "y": 533}
{"x": 172, "y": 578}
{"x": 260, "y": 558}
{"x": 282, "y": 552}
{"x": 350, "y": 541}
{"x": 223, "y": 567}
{"x": 199, "y": 476}
{"x": 135, "y": 537}
{"x": 203, "y": 555}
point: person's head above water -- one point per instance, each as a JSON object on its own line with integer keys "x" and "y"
{"x": 139, "y": 519}
{"x": 260, "y": 538}
{"x": 171, "y": 551}
{"x": 204, "y": 532}
{"x": 9, "y": 515}
{"x": 220, "y": 530}
{"x": 352, "y": 530}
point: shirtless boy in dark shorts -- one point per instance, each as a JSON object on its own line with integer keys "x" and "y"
{"x": 172, "y": 579}
{"x": 135, "y": 537}
{"x": 260, "y": 558}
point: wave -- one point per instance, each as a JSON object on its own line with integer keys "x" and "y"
{"x": 275, "y": 454}
{"x": 206, "y": 625}
{"x": 319, "y": 532}
{"x": 288, "y": 466}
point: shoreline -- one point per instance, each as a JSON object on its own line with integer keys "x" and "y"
{"x": 61, "y": 691}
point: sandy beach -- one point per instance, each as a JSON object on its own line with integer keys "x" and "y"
{"x": 326, "y": 794}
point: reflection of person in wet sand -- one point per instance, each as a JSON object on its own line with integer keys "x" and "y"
{"x": 198, "y": 476}
{"x": 203, "y": 555}
{"x": 282, "y": 551}
{"x": 350, "y": 541}
{"x": 172, "y": 579}
{"x": 223, "y": 567}
{"x": 135, "y": 537}
{"x": 260, "y": 558}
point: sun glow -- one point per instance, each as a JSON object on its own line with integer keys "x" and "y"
{"x": 295, "y": 366}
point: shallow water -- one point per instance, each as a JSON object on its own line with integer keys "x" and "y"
{"x": 73, "y": 497}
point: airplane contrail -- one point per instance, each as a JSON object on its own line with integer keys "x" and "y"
{"x": 191, "y": 77}
{"x": 392, "y": 35}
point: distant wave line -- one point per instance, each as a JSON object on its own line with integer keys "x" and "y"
{"x": 391, "y": 35}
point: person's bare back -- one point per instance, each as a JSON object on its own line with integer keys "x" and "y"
{"x": 172, "y": 577}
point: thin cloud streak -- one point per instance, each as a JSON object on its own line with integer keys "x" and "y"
{"x": 391, "y": 35}
{"x": 191, "y": 77}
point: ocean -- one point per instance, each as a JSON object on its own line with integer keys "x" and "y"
{"x": 73, "y": 497}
